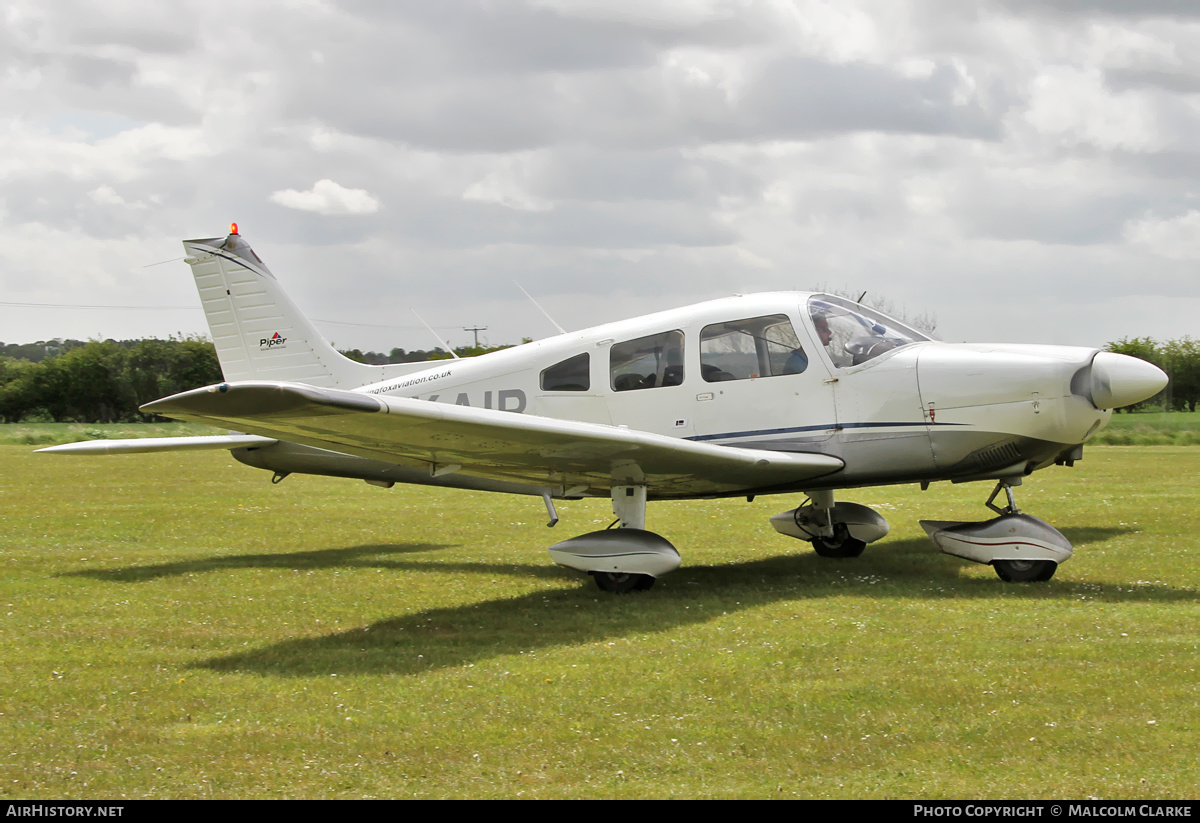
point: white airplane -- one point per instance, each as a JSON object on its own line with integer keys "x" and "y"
{"x": 785, "y": 392}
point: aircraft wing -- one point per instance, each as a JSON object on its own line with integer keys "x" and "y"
{"x": 145, "y": 445}
{"x": 538, "y": 451}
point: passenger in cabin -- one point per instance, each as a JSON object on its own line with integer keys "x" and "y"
{"x": 714, "y": 374}
{"x": 796, "y": 363}
{"x": 673, "y": 373}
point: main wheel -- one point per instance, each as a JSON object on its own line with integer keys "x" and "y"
{"x": 840, "y": 545}
{"x": 621, "y": 582}
{"x": 1025, "y": 571}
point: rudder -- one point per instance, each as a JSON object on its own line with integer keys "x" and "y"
{"x": 259, "y": 333}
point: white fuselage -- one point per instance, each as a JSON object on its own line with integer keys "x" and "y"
{"x": 923, "y": 411}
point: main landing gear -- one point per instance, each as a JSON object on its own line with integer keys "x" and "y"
{"x": 624, "y": 559}
{"x": 621, "y": 582}
{"x": 839, "y": 544}
{"x": 1020, "y": 547}
{"x": 834, "y": 529}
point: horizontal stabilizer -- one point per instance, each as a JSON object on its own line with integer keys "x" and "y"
{"x": 145, "y": 445}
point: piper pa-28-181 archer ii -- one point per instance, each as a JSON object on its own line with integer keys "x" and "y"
{"x": 748, "y": 395}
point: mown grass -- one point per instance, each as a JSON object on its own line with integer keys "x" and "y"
{"x": 1151, "y": 429}
{"x": 52, "y": 434}
{"x": 176, "y": 626}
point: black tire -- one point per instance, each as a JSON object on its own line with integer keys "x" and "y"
{"x": 840, "y": 545}
{"x": 620, "y": 582}
{"x": 1025, "y": 571}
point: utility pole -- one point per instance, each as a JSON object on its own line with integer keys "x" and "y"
{"x": 476, "y": 330}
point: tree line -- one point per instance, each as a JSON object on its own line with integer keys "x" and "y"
{"x": 1180, "y": 359}
{"x": 421, "y": 355}
{"x": 105, "y": 381}
{"x": 100, "y": 381}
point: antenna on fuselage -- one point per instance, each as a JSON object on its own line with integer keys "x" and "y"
{"x": 561, "y": 330}
{"x": 860, "y": 297}
{"x": 435, "y": 334}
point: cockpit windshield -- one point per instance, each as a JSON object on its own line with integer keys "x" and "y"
{"x": 853, "y": 333}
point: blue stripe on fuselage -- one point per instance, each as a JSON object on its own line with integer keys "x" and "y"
{"x": 829, "y": 427}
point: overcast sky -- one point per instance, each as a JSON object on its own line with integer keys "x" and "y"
{"x": 1026, "y": 170}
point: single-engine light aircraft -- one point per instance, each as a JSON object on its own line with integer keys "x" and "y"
{"x": 778, "y": 393}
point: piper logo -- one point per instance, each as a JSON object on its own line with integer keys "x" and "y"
{"x": 275, "y": 341}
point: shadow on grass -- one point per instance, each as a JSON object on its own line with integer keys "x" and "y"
{"x": 1082, "y": 535}
{"x": 378, "y": 556}
{"x": 372, "y": 556}
{"x": 443, "y": 638}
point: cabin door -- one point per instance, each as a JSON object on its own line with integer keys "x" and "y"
{"x": 761, "y": 386}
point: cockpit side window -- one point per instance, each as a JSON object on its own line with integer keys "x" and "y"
{"x": 853, "y": 334}
{"x": 572, "y": 374}
{"x": 751, "y": 348}
{"x": 647, "y": 362}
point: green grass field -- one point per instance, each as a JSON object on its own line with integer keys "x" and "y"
{"x": 1152, "y": 429}
{"x": 175, "y": 626}
{"x": 48, "y": 434}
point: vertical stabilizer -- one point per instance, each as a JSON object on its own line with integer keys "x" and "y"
{"x": 258, "y": 331}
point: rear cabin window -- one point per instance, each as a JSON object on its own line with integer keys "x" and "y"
{"x": 572, "y": 374}
{"x": 748, "y": 349}
{"x": 647, "y": 362}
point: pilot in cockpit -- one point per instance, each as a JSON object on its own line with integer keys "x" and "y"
{"x": 821, "y": 322}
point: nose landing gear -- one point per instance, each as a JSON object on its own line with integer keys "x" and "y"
{"x": 1020, "y": 547}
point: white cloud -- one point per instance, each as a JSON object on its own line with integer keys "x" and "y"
{"x": 1176, "y": 238}
{"x": 1075, "y": 105}
{"x": 107, "y": 196}
{"x": 666, "y": 13}
{"x": 678, "y": 148}
{"x": 32, "y": 149}
{"x": 840, "y": 32}
{"x": 327, "y": 197}
{"x": 503, "y": 188}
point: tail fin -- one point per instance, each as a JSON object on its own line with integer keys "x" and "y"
{"x": 258, "y": 331}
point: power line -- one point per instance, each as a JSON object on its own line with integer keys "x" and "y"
{"x": 82, "y": 306}
{"x": 373, "y": 325}
{"x": 476, "y": 330}
{"x": 193, "y": 308}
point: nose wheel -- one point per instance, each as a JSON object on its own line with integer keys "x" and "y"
{"x": 1025, "y": 571}
{"x": 1018, "y": 571}
{"x": 1020, "y": 547}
